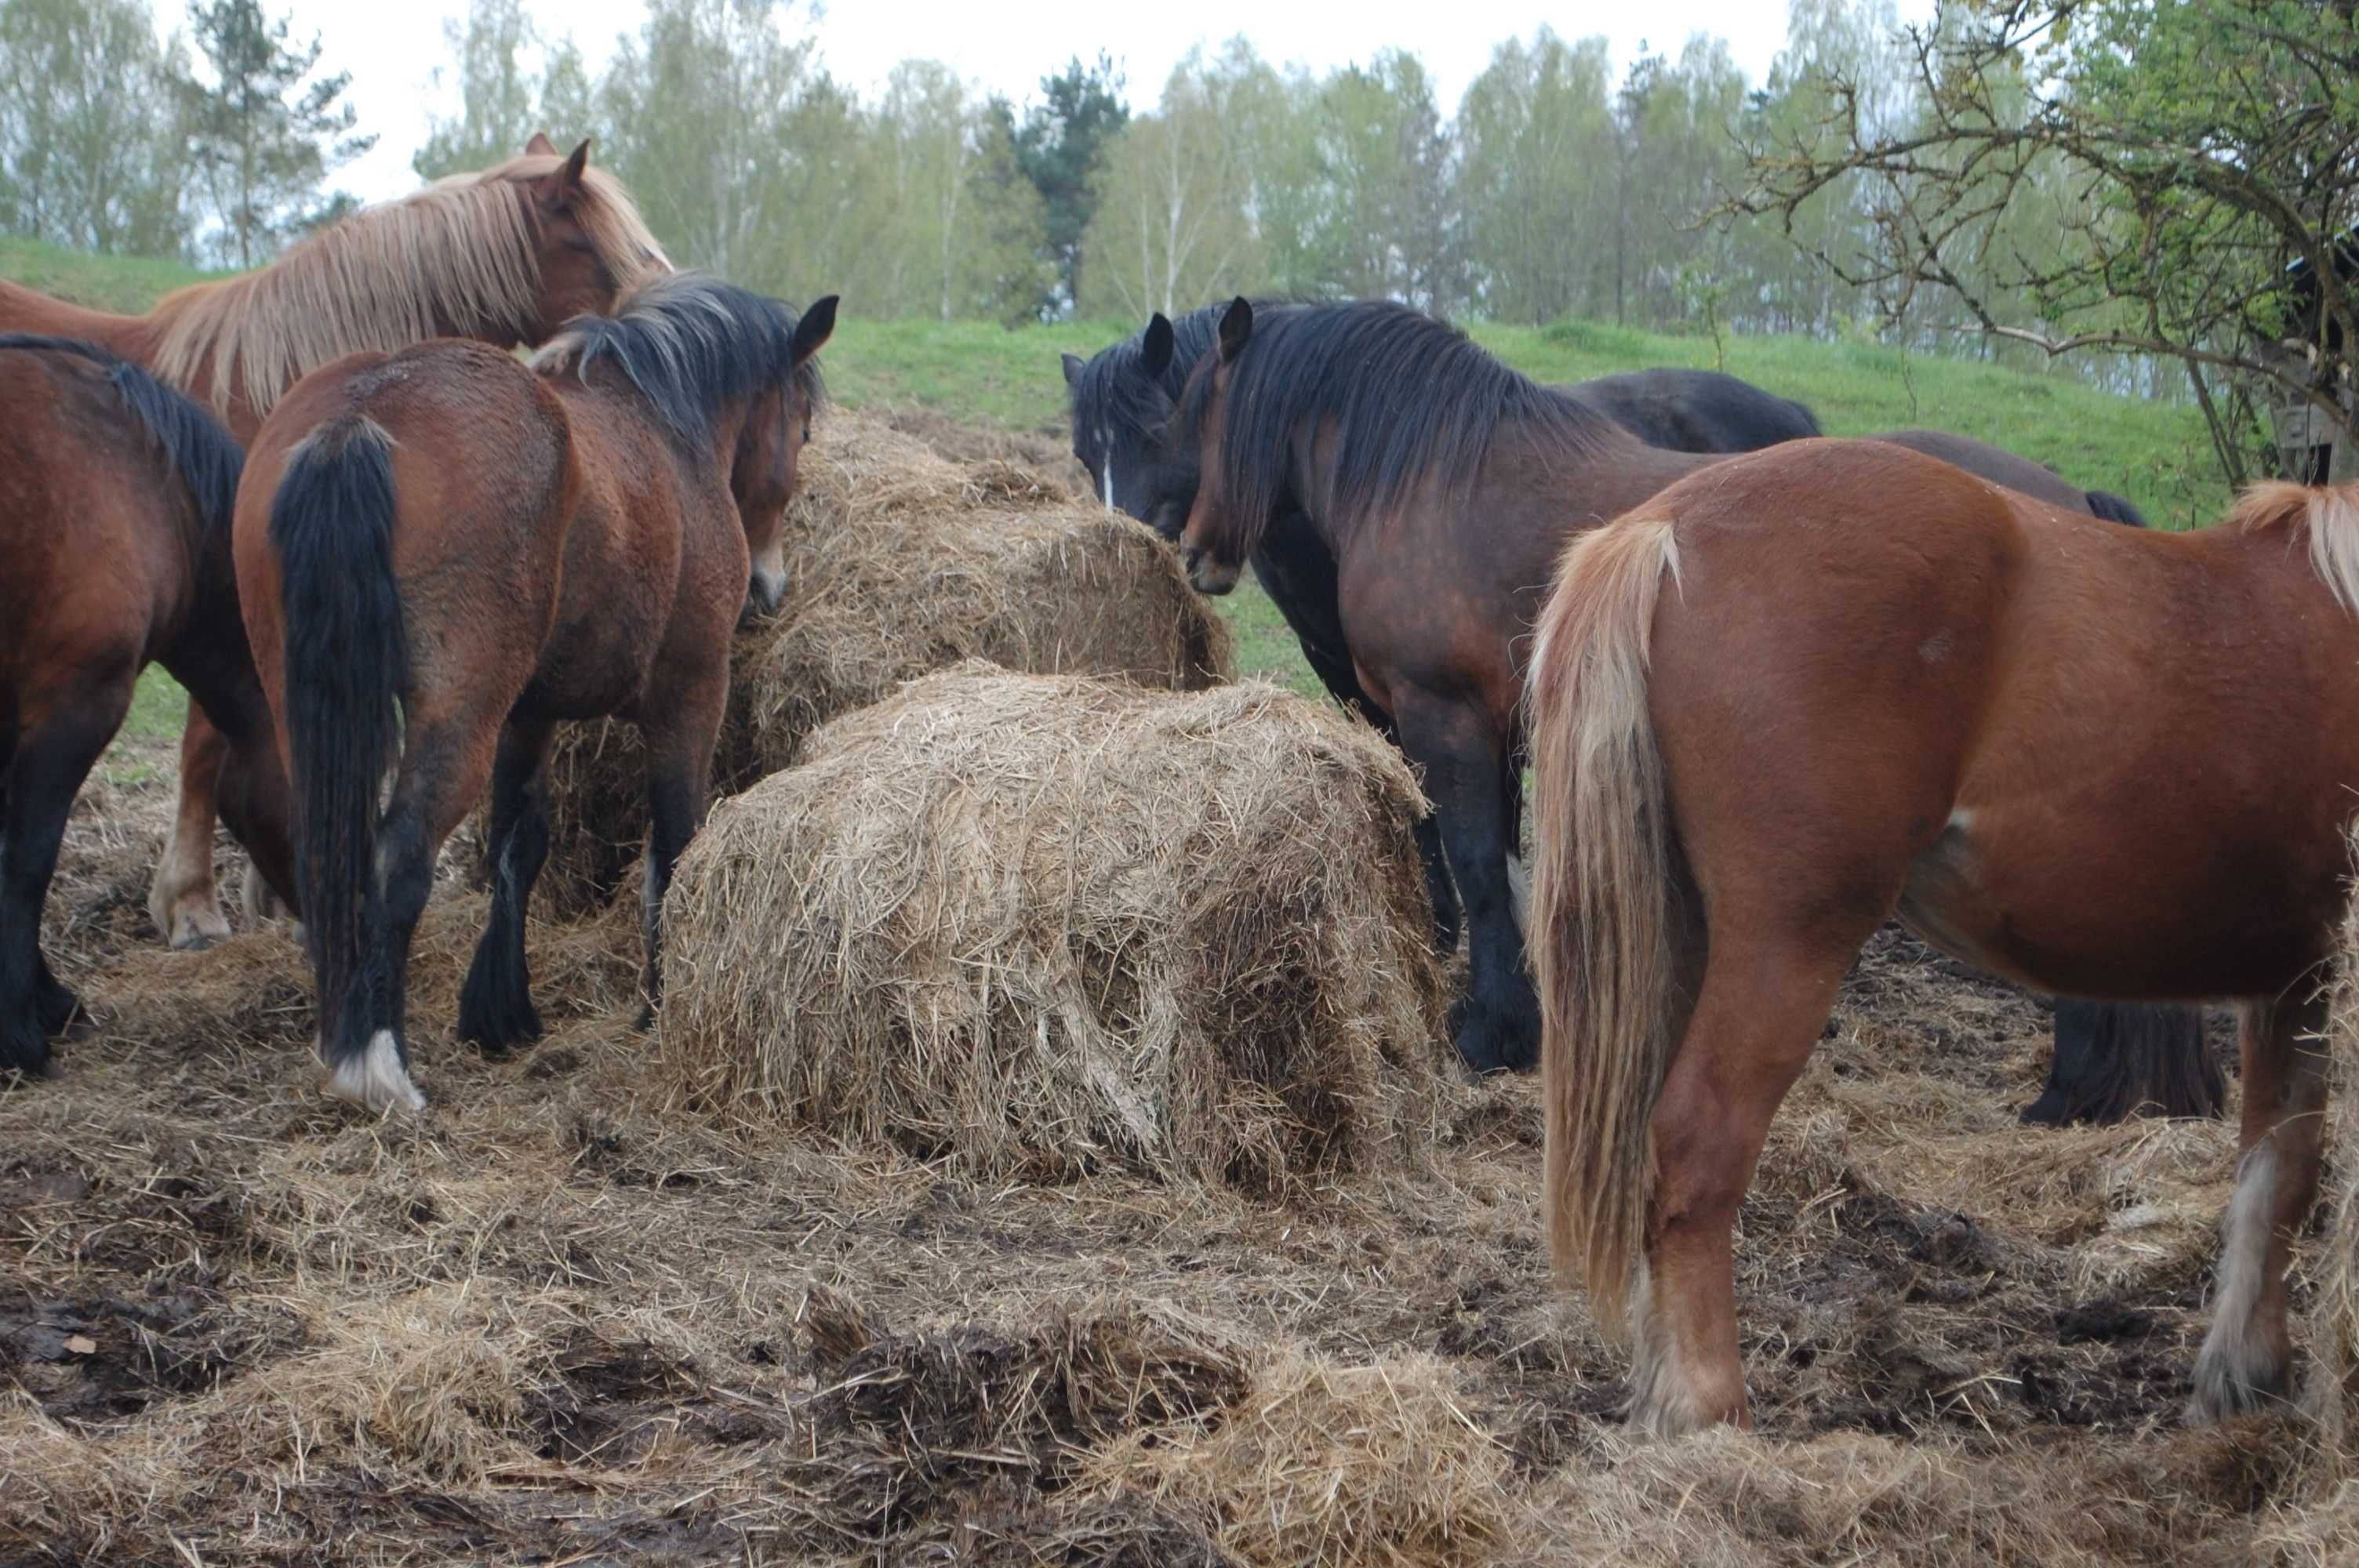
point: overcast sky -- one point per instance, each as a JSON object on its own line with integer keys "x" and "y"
{"x": 393, "y": 50}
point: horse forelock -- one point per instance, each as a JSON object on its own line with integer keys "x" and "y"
{"x": 201, "y": 453}
{"x": 2329, "y": 517}
{"x": 461, "y": 252}
{"x": 690, "y": 345}
{"x": 1413, "y": 404}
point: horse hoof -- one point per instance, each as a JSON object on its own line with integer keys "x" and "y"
{"x": 376, "y": 1079}
{"x": 59, "y": 1010}
{"x": 1488, "y": 1044}
{"x": 194, "y": 934}
{"x": 2048, "y": 1110}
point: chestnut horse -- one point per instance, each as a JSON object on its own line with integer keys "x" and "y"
{"x": 497, "y": 548}
{"x": 1828, "y": 684}
{"x": 114, "y": 513}
{"x": 1440, "y": 485}
{"x": 506, "y": 256}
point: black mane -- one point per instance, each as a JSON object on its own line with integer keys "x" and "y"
{"x": 1412, "y": 401}
{"x": 201, "y": 452}
{"x": 1114, "y": 394}
{"x": 691, "y": 345}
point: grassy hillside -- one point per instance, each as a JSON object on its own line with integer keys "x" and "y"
{"x": 981, "y": 373}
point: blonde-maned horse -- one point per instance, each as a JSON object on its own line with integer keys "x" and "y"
{"x": 506, "y": 256}
{"x": 1809, "y": 689}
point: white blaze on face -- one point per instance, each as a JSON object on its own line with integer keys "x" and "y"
{"x": 1106, "y": 447}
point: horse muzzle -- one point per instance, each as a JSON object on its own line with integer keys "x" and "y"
{"x": 764, "y": 593}
{"x": 1206, "y": 574}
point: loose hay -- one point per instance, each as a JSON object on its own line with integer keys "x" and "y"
{"x": 1039, "y": 924}
{"x": 902, "y": 562}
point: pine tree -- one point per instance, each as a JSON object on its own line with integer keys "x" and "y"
{"x": 262, "y": 140}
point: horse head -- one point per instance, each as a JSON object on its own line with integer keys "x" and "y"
{"x": 763, "y": 475}
{"x": 1217, "y": 535}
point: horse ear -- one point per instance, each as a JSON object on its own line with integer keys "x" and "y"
{"x": 815, "y": 329}
{"x": 1074, "y": 367}
{"x": 1235, "y": 327}
{"x": 1155, "y": 352}
{"x": 540, "y": 145}
{"x": 567, "y": 179}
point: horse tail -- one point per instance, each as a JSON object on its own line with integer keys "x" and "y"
{"x": 1604, "y": 914}
{"x": 2115, "y": 1060}
{"x": 2112, "y": 508}
{"x": 346, "y": 661}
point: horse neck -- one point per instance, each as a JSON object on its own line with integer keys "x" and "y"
{"x": 24, "y": 309}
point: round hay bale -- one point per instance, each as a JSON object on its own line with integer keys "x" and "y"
{"x": 1039, "y": 924}
{"x": 902, "y": 562}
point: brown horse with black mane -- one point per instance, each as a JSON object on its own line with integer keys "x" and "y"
{"x": 505, "y": 256}
{"x": 114, "y": 513}
{"x": 1815, "y": 687}
{"x": 1440, "y": 485}
{"x": 497, "y": 548}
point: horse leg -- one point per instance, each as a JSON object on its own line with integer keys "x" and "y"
{"x": 2114, "y": 1060}
{"x": 1763, "y": 1002}
{"x": 2249, "y": 1351}
{"x": 1496, "y": 1025}
{"x": 180, "y": 900}
{"x": 680, "y": 775}
{"x": 495, "y": 1009}
{"x": 444, "y": 765}
{"x": 44, "y": 774}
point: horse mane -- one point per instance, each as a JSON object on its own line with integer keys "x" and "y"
{"x": 1412, "y": 401}
{"x": 691, "y": 345}
{"x": 2329, "y": 516}
{"x": 460, "y": 251}
{"x": 199, "y": 450}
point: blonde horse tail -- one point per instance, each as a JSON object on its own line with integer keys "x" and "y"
{"x": 1603, "y": 918}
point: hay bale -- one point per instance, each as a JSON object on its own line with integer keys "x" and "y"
{"x": 902, "y": 562}
{"x": 1040, "y": 923}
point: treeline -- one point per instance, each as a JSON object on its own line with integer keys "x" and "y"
{"x": 1560, "y": 187}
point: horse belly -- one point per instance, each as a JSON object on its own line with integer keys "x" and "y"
{"x": 2073, "y": 914}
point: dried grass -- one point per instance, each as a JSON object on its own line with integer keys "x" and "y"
{"x": 902, "y": 562}
{"x": 1039, "y": 924}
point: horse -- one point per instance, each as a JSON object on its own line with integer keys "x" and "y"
{"x": 1824, "y": 684}
{"x": 499, "y": 548}
{"x": 101, "y": 466}
{"x": 1696, "y": 410}
{"x": 1121, "y": 405}
{"x": 1438, "y": 486}
{"x": 505, "y": 255}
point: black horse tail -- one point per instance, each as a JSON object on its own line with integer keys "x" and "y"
{"x": 2105, "y": 503}
{"x": 346, "y": 661}
{"x": 2116, "y": 1060}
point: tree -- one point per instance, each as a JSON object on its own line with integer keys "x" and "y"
{"x": 1061, "y": 148}
{"x": 90, "y": 154}
{"x": 2112, "y": 176}
{"x": 497, "y": 114}
{"x": 1533, "y": 129}
{"x": 1176, "y": 225}
{"x": 262, "y": 140}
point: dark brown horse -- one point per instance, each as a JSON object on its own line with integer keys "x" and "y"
{"x": 503, "y": 256}
{"x": 1825, "y": 685}
{"x": 497, "y": 549}
{"x": 1442, "y": 485}
{"x": 114, "y": 513}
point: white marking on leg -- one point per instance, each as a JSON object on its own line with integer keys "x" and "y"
{"x": 376, "y": 1079}
{"x": 1519, "y": 892}
{"x": 2237, "y": 1367}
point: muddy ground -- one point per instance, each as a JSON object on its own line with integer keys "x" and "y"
{"x": 556, "y": 1321}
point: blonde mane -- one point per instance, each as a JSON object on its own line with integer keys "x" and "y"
{"x": 2330, "y": 518}
{"x": 460, "y": 252}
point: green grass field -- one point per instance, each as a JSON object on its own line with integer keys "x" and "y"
{"x": 981, "y": 373}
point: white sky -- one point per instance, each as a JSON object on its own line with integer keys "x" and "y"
{"x": 393, "y": 50}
